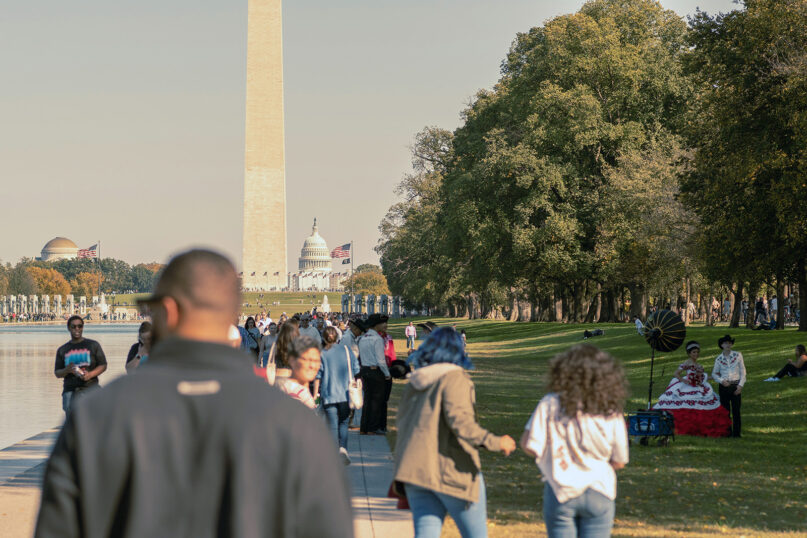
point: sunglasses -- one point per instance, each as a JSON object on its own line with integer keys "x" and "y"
{"x": 76, "y": 326}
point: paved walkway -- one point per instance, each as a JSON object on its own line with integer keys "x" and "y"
{"x": 22, "y": 467}
{"x": 370, "y": 478}
{"x": 21, "y": 470}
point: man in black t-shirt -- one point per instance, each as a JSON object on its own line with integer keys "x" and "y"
{"x": 80, "y": 361}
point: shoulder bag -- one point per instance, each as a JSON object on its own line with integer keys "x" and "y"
{"x": 354, "y": 388}
{"x": 271, "y": 365}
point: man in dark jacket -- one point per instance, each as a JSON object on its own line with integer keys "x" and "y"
{"x": 193, "y": 443}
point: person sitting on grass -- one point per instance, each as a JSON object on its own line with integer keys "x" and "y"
{"x": 578, "y": 438}
{"x": 793, "y": 369}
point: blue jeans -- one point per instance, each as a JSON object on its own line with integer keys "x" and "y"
{"x": 591, "y": 515}
{"x": 337, "y": 416}
{"x": 410, "y": 342}
{"x": 67, "y": 399}
{"x": 429, "y": 509}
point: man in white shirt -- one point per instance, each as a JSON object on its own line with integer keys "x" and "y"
{"x": 374, "y": 374}
{"x": 411, "y": 334}
{"x": 729, "y": 371}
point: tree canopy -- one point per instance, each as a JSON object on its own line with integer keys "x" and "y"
{"x": 600, "y": 165}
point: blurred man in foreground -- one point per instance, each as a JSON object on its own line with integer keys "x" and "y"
{"x": 192, "y": 443}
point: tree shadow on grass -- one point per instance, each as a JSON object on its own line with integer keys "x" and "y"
{"x": 755, "y": 482}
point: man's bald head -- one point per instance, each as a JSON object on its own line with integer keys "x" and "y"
{"x": 202, "y": 280}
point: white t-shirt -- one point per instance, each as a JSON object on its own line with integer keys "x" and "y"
{"x": 574, "y": 454}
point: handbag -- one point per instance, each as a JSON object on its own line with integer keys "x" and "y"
{"x": 354, "y": 389}
{"x": 397, "y": 491}
{"x": 271, "y": 366}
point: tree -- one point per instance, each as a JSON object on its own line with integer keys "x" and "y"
{"x": 370, "y": 282}
{"x": 4, "y": 271}
{"x": 49, "y": 281}
{"x": 20, "y": 281}
{"x": 368, "y": 268}
{"x": 117, "y": 276}
{"x": 411, "y": 246}
{"x": 526, "y": 200}
{"x": 144, "y": 276}
{"x": 85, "y": 284}
{"x": 747, "y": 181}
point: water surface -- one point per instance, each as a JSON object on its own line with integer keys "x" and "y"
{"x": 30, "y": 395}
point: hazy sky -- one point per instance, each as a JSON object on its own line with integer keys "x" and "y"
{"x": 124, "y": 121}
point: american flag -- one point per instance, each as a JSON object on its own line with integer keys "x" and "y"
{"x": 91, "y": 252}
{"x": 341, "y": 252}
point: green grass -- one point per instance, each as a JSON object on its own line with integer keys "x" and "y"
{"x": 289, "y": 302}
{"x": 753, "y": 486}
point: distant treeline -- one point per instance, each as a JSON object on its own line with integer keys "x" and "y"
{"x": 625, "y": 157}
{"x": 77, "y": 276}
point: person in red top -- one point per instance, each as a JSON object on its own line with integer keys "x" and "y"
{"x": 389, "y": 354}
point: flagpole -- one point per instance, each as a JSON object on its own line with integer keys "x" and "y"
{"x": 352, "y": 280}
{"x": 99, "y": 269}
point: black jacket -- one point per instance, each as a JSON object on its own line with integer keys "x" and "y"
{"x": 193, "y": 444}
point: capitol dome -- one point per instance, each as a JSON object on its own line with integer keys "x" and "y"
{"x": 315, "y": 255}
{"x": 59, "y": 248}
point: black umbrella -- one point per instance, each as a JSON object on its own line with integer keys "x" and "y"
{"x": 664, "y": 331}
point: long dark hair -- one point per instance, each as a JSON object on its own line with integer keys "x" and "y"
{"x": 288, "y": 332}
{"x": 588, "y": 380}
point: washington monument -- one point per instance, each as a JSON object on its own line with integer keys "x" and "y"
{"x": 264, "y": 247}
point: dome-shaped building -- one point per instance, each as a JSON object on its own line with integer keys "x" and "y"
{"x": 314, "y": 270}
{"x": 315, "y": 256}
{"x": 59, "y": 248}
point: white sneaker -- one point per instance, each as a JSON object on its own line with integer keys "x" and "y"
{"x": 345, "y": 456}
{"x": 773, "y": 379}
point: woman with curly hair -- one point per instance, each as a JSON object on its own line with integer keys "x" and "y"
{"x": 578, "y": 438}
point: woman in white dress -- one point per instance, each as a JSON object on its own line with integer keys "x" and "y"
{"x": 691, "y": 400}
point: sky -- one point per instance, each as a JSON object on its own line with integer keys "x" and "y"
{"x": 124, "y": 121}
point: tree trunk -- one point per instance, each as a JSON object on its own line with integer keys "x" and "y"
{"x": 780, "y": 303}
{"x": 462, "y": 309}
{"x": 709, "y": 310}
{"x": 473, "y": 306}
{"x": 610, "y": 307}
{"x": 524, "y": 310}
{"x": 556, "y": 308}
{"x": 514, "y": 313}
{"x": 801, "y": 273}
{"x": 638, "y": 300}
{"x": 577, "y": 303}
{"x": 688, "y": 299}
{"x": 594, "y": 307}
{"x": 753, "y": 289}
{"x": 738, "y": 306}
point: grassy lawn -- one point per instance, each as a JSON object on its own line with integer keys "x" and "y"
{"x": 753, "y": 486}
{"x": 289, "y": 302}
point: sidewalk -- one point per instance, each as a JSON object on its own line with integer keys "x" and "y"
{"x": 23, "y": 465}
{"x": 370, "y": 477}
{"x": 21, "y": 469}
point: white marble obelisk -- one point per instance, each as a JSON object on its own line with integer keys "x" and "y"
{"x": 264, "y": 239}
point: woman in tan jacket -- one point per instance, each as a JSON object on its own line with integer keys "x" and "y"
{"x": 436, "y": 454}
